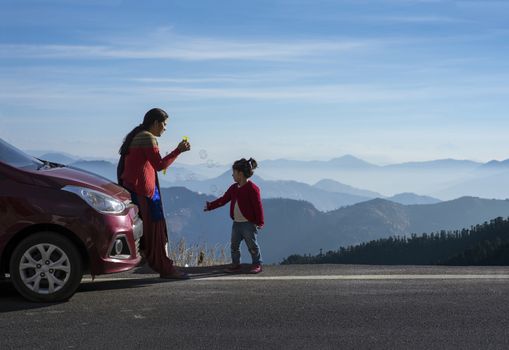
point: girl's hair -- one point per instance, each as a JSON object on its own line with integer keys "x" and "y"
{"x": 153, "y": 115}
{"x": 247, "y": 167}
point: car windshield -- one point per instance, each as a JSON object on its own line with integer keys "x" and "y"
{"x": 17, "y": 158}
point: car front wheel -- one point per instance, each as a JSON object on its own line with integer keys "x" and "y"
{"x": 46, "y": 267}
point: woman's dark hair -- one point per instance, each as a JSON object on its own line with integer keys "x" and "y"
{"x": 247, "y": 167}
{"x": 153, "y": 115}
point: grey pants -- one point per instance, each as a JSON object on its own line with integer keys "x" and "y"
{"x": 246, "y": 231}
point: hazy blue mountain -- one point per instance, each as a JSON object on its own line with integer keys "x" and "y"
{"x": 107, "y": 167}
{"x": 285, "y": 218}
{"x": 58, "y": 158}
{"x": 426, "y": 177}
{"x": 99, "y": 167}
{"x": 371, "y": 220}
{"x": 412, "y": 198}
{"x": 214, "y": 186}
{"x": 347, "y": 162}
{"x": 444, "y": 179}
{"x": 321, "y": 199}
{"x": 186, "y": 218}
{"x": 335, "y": 186}
{"x": 64, "y": 158}
{"x": 176, "y": 173}
{"x": 208, "y": 169}
{"x": 351, "y": 162}
{"x": 456, "y": 214}
{"x": 493, "y": 185}
{"x": 39, "y": 153}
{"x": 496, "y": 165}
{"x": 483, "y": 244}
{"x": 436, "y": 165}
{"x": 294, "y": 226}
{"x": 109, "y": 170}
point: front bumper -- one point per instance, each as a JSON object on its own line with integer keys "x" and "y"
{"x": 113, "y": 259}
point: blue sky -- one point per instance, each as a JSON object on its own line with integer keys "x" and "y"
{"x": 385, "y": 80}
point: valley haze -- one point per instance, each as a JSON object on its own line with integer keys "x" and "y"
{"x": 353, "y": 178}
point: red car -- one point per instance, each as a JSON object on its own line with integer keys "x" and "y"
{"x": 57, "y": 223}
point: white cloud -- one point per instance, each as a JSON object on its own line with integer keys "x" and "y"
{"x": 336, "y": 93}
{"x": 416, "y": 19}
{"x": 245, "y": 78}
{"x": 43, "y": 94}
{"x": 185, "y": 49}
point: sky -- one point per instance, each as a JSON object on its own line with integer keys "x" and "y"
{"x": 384, "y": 80}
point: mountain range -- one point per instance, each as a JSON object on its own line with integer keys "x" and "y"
{"x": 297, "y": 227}
{"x": 325, "y": 195}
{"x": 108, "y": 170}
{"x": 325, "y": 214}
{"x": 341, "y": 181}
{"x": 444, "y": 179}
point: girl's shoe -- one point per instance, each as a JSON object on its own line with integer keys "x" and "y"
{"x": 234, "y": 268}
{"x": 256, "y": 268}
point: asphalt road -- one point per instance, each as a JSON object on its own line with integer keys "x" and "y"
{"x": 285, "y": 307}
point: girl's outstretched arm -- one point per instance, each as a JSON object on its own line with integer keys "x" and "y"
{"x": 220, "y": 201}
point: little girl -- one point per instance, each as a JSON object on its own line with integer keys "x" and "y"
{"x": 246, "y": 212}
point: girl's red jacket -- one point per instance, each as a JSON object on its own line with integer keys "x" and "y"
{"x": 249, "y": 199}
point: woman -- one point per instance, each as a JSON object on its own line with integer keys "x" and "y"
{"x": 139, "y": 163}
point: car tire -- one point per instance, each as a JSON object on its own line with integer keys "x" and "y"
{"x": 46, "y": 267}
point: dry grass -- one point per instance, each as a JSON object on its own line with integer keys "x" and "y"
{"x": 197, "y": 254}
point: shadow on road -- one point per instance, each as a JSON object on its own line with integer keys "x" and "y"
{"x": 207, "y": 271}
{"x": 99, "y": 285}
{"x": 151, "y": 279}
{"x": 195, "y": 272}
{"x": 11, "y": 300}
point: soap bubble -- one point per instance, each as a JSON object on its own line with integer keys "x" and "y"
{"x": 213, "y": 189}
{"x": 190, "y": 177}
{"x": 210, "y": 163}
{"x": 203, "y": 154}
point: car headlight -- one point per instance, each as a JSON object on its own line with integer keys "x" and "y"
{"x": 101, "y": 202}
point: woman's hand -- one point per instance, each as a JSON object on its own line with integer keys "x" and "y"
{"x": 206, "y": 208}
{"x": 184, "y": 146}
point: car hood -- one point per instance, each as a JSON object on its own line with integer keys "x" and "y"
{"x": 64, "y": 176}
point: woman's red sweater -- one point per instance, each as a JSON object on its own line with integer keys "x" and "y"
{"x": 250, "y": 202}
{"x": 143, "y": 162}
